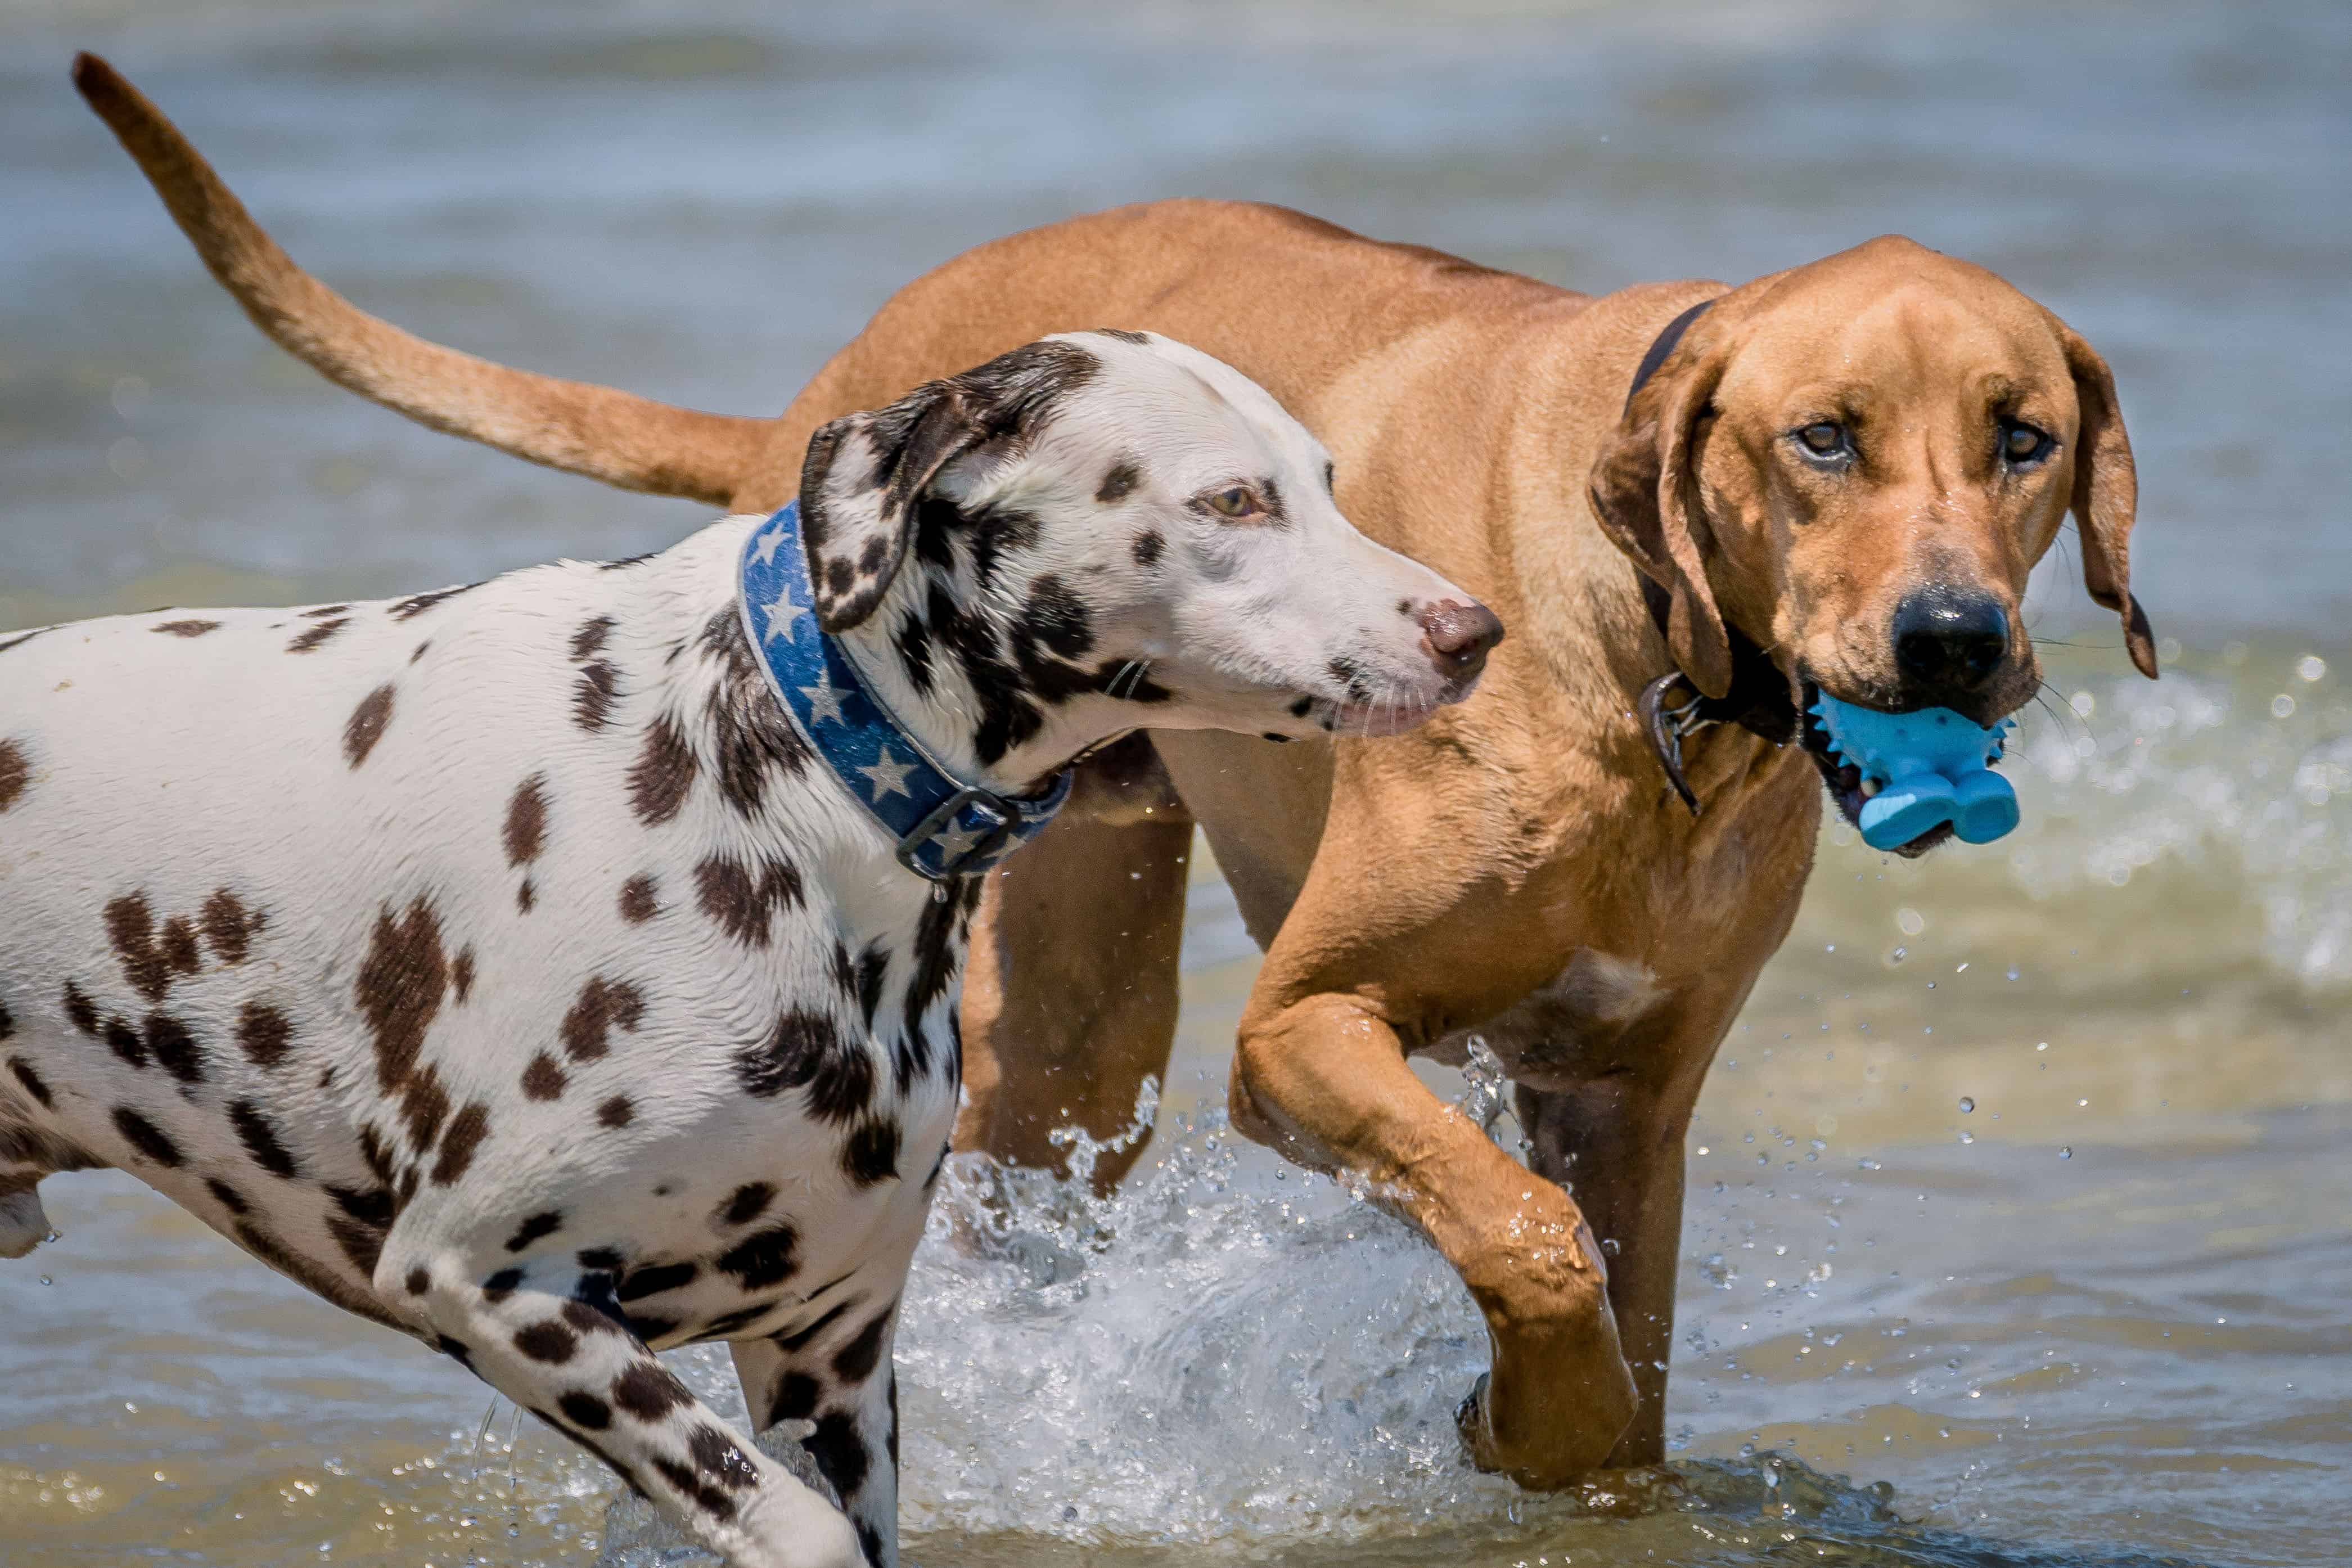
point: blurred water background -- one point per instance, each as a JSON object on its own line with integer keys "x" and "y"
{"x": 2017, "y": 1233}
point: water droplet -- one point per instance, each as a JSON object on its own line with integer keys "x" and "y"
{"x": 2282, "y": 706}
{"x": 1967, "y": 1137}
{"x": 1899, "y": 955}
{"x": 2082, "y": 703}
{"x": 1910, "y": 921}
{"x": 1966, "y": 1105}
{"x": 2311, "y": 667}
{"x": 2065, "y": 1153}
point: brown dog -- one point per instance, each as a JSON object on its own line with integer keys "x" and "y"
{"x": 1835, "y": 478}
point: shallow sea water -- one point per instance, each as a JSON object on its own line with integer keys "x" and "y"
{"x": 2016, "y": 1233}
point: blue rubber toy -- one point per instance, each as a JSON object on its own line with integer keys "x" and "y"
{"x": 1932, "y": 766}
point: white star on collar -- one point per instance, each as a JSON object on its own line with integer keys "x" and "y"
{"x": 890, "y": 777}
{"x": 765, "y": 552}
{"x": 824, "y": 699}
{"x": 784, "y": 617}
{"x": 959, "y": 841}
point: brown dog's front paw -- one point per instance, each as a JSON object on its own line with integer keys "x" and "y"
{"x": 1554, "y": 1428}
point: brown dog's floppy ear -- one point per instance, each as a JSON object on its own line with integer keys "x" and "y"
{"x": 2105, "y": 495}
{"x": 1644, "y": 492}
{"x": 866, "y": 474}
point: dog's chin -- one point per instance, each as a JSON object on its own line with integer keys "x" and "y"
{"x": 1371, "y": 720}
{"x": 1391, "y": 715}
{"x": 1843, "y": 780}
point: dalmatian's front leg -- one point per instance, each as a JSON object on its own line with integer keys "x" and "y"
{"x": 549, "y": 1338}
{"x": 830, "y": 1386}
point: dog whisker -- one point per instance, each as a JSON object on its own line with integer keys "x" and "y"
{"x": 2063, "y": 711}
{"x": 1139, "y": 669}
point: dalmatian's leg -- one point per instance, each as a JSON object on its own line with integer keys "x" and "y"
{"x": 551, "y": 1337}
{"x": 830, "y": 1386}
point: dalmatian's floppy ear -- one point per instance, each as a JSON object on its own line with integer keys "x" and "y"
{"x": 865, "y": 475}
{"x": 860, "y": 486}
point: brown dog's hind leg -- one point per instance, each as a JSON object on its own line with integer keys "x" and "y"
{"x": 1069, "y": 999}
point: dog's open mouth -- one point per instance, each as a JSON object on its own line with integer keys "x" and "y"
{"x": 1845, "y": 780}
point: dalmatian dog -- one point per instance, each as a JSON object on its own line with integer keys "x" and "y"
{"x": 564, "y": 968}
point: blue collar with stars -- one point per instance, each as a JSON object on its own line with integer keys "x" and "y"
{"x": 946, "y": 828}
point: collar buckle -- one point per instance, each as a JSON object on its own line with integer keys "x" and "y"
{"x": 959, "y": 847}
{"x": 1667, "y": 728}
{"x": 1691, "y": 716}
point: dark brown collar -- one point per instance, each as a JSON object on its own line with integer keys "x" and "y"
{"x": 1672, "y": 708}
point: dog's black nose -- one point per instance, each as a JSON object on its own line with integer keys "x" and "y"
{"x": 1950, "y": 639}
{"x": 1458, "y": 636}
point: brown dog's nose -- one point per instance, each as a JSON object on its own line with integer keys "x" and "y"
{"x": 1458, "y": 636}
{"x": 1949, "y": 639}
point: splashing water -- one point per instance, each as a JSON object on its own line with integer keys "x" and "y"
{"x": 1225, "y": 1361}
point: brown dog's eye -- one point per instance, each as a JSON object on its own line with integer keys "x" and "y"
{"x": 1235, "y": 502}
{"x": 2022, "y": 444}
{"x": 1823, "y": 437}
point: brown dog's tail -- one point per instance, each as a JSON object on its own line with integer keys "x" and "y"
{"x": 608, "y": 434}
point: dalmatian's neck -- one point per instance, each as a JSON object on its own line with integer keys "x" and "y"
{"x": 994, "y": 668}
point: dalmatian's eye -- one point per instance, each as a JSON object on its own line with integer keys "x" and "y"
{"x": 1237, "y": 502}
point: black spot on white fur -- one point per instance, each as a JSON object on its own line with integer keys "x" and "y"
{"x": 16, "y": 772}
{"x": 764, "y": 1259}
{"x": 367, "y": 725}
{"x": 603, "y": 1006}
{"x": 1121, "y": 481}
{"x": 260, "y": 1140}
